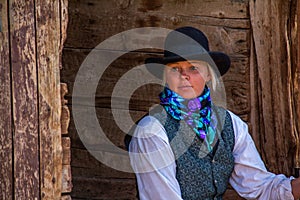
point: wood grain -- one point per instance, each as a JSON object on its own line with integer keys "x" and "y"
{"x": 269, "y": 32}
{"x": 30, "y": 130}
{"x": 25, "y": 100}
{"x": 295, "y": 75}
{"x": 66, "y": 179}
{"x": 66, "y": 146}
{"x": 92, "y": 188}
{"x": 92, "y": 27}
{"x": 294, "y": 81}
{"x": 48, "y": 46}
{"x": 6, "y": 140}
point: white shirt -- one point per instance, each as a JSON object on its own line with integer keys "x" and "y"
{"x": 153, "y": 161}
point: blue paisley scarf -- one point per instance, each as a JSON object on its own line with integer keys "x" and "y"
{"x": 195, "y": 112}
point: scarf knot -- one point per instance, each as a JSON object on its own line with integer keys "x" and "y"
{"x": 195, "y": 112}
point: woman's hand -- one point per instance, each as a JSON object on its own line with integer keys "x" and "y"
{"x": 296, "y": 188}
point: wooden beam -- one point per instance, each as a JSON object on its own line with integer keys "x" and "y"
{"x": 269, "y": 23}
{"x": 295, "y": 88}
{"x": 25, "y": 100}
{"x": 48, "y": 61}
{"x": 6, "y": 149}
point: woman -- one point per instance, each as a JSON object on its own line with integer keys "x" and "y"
{"x": 190, "y": 148}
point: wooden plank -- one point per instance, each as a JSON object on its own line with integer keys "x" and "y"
{"x": 6, "y": 148}
{"x": 66, "y": 179}
{"x": 269, "y": 32}
{"x": 85, "y": 165}
{"x": 109, "y": 188}
{"x": 25, "y": 100}
{"x": 65, "y": 113}
{"x": 255, "y": 101}
{"x": 66, "y": 149}
{"x": 296, "y": 94}
{"x": 64, "y": 20}
{"x": 63, "y": 92}
{"x": 65, "y": 119}
{"x": 97, "y": 188}
{"x": 66, "y": 197}
{"x": 48, "y": 46}
{"x": 86, "y": 31}
{"x": 294, "y": 83}
{"x": 1, "y": 13}
{"x": 108, "y": 125}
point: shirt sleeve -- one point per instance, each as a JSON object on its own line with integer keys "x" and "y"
{"x": 153, "y": 162}
{"x": 250, "y": 177}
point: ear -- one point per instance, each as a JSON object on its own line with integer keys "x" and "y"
{"x": 207, "y": 78}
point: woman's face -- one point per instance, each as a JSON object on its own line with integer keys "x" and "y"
{"x": 187, "y": 78}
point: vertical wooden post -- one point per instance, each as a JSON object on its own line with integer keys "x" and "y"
{"x": 295, "y": 83}
{"x": 269, "y": 21}
{"x": 6, "y": 148}
{"x": 25, "y": 99}
{"x": 48, "y": 62}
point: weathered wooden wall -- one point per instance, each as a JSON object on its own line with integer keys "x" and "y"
{"x": 31, "y": 39}
{"x": 228, "y": 28}
{"x": 255, "y": 34}
{"x": 274, "y": 136}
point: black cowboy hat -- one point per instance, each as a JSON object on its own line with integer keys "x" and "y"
{"x": 187, "y": 43}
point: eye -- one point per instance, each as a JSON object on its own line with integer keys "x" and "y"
{"x": 193, "y": 68}
{"x": 174, "y": 69}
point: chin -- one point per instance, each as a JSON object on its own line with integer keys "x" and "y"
{"x": 189, "y": 96}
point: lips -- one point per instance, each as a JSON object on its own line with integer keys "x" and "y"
{"x": 185, "y": 87}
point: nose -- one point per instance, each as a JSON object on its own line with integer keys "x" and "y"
{"x": 184, "y": 74}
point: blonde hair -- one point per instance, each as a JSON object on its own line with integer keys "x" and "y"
{"x": 213, "y": 80}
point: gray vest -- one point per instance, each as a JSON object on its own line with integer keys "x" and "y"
{"x": 202, "y": 175}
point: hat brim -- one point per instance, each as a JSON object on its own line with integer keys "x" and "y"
{"x": 155, "y": 65}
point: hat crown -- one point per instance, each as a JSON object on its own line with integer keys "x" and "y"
{"x": 185, "y": 41}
